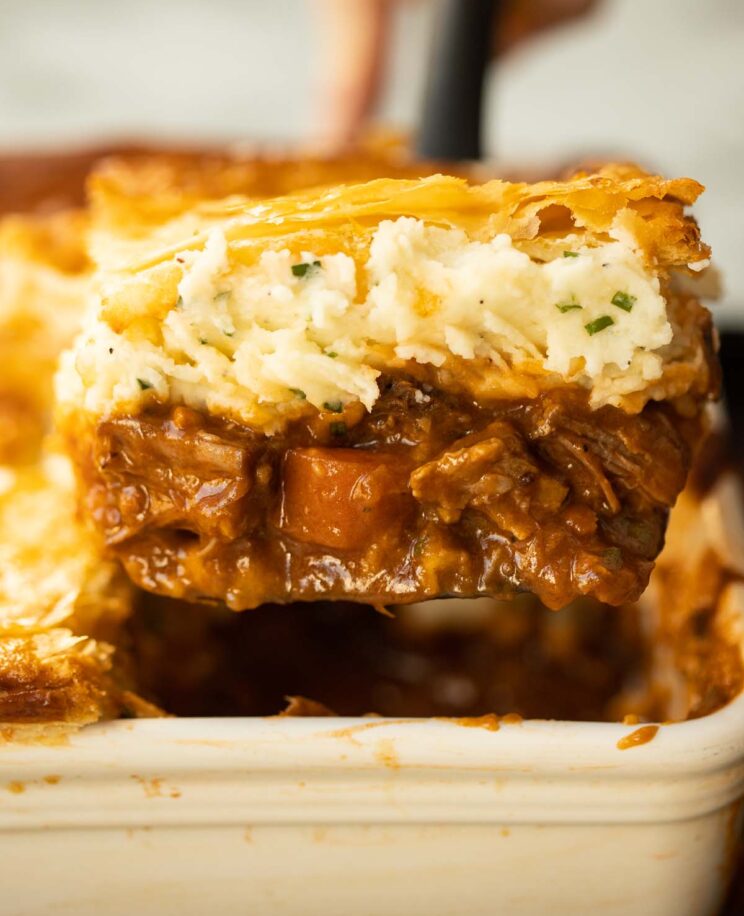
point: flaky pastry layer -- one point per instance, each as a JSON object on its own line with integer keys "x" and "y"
{"x": 43, "y": 275}
{"x": 260, "y": 311}
{"x": 62, "y": 604}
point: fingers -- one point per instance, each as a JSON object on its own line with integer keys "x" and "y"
{"x": 354, "y": 38}
{"x": 353, "y": 53}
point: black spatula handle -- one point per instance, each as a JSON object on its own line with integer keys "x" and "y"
{"x": 451, "y": 121}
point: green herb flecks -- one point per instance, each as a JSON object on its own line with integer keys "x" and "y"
{"x": 623, "y": 301}
{"x": 331, "y": 354}
{"x": 179, "y": 302}
{"x": 599, "y": 324}
{"x": 333, "y": 406}
{"x": 568, "y": 306}
{"x": 144, "y": 384}
{"x": 298, "y": 393}
{"x": 203, "y": 341}
{"x": 338, "y": 428}
{"x": 305, "y": 268}
{"x": 570, "y": 254}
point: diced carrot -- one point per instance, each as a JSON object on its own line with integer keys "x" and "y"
{"x": 341, "y": 497}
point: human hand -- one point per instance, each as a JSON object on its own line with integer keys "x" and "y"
{"x": 355, "y": 35}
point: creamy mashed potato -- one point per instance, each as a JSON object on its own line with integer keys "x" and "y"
{"x": 257, "y": 311}
{"x": 305, "y": 327}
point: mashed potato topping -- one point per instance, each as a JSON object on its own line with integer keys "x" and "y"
{"x": 318, "y": 328}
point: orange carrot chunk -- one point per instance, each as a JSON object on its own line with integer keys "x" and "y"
{"x": 341, "y": 497}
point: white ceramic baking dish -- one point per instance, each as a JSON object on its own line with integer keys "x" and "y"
{"x": 359, "y": 817}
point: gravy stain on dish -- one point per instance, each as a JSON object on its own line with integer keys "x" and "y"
{"x": 386, "y": 754}
{"x": 640, "y": 736}
{"x": 17, "y": 786}
{"x": 155, "y": 787}
{"x": 512, "y": 718}
{"x": 491, "y": 722}
{"x": 352, "y": 730}
{"x": 52, "y": 736}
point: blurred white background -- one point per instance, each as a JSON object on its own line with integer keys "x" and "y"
{"x": 660, "y": 81}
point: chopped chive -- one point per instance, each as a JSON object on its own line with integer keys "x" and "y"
{"x": 223, "y": 296}
{"x": 179, "y": 302}
{"x": 338, "y": 429}
{"x": 333, "y": 406}
{"x": 144, "y": 385}
{"x": 570, "y": 254}
{"x": 203, "y": 340}
{"x": 301, "y": 270}
{"x": 612, "y": 558}
{"x": 298, "y": 393}
{"x": 623, "y": 300}
{"x": 228, "y": 333}
{"x": 567, "y": 306}
{"x": 331, "y": 354}
{"x": 599, "y": 324}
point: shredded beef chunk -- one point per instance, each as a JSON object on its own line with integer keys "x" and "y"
{"x": 426, "y": 495}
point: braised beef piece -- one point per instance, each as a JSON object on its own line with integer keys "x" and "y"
{"x": 428, "y": 494}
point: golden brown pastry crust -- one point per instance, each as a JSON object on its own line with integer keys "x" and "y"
{"x": 43, "y": 271}
{"x": 693, "y": 605}
{"x": 539, "y": 216}
{"x": 138, "y": 238}
{"x": 160, "y": 186}
{"x": 62, "y": 605}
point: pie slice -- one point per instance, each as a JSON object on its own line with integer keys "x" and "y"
{"x": 394, "y": 390}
